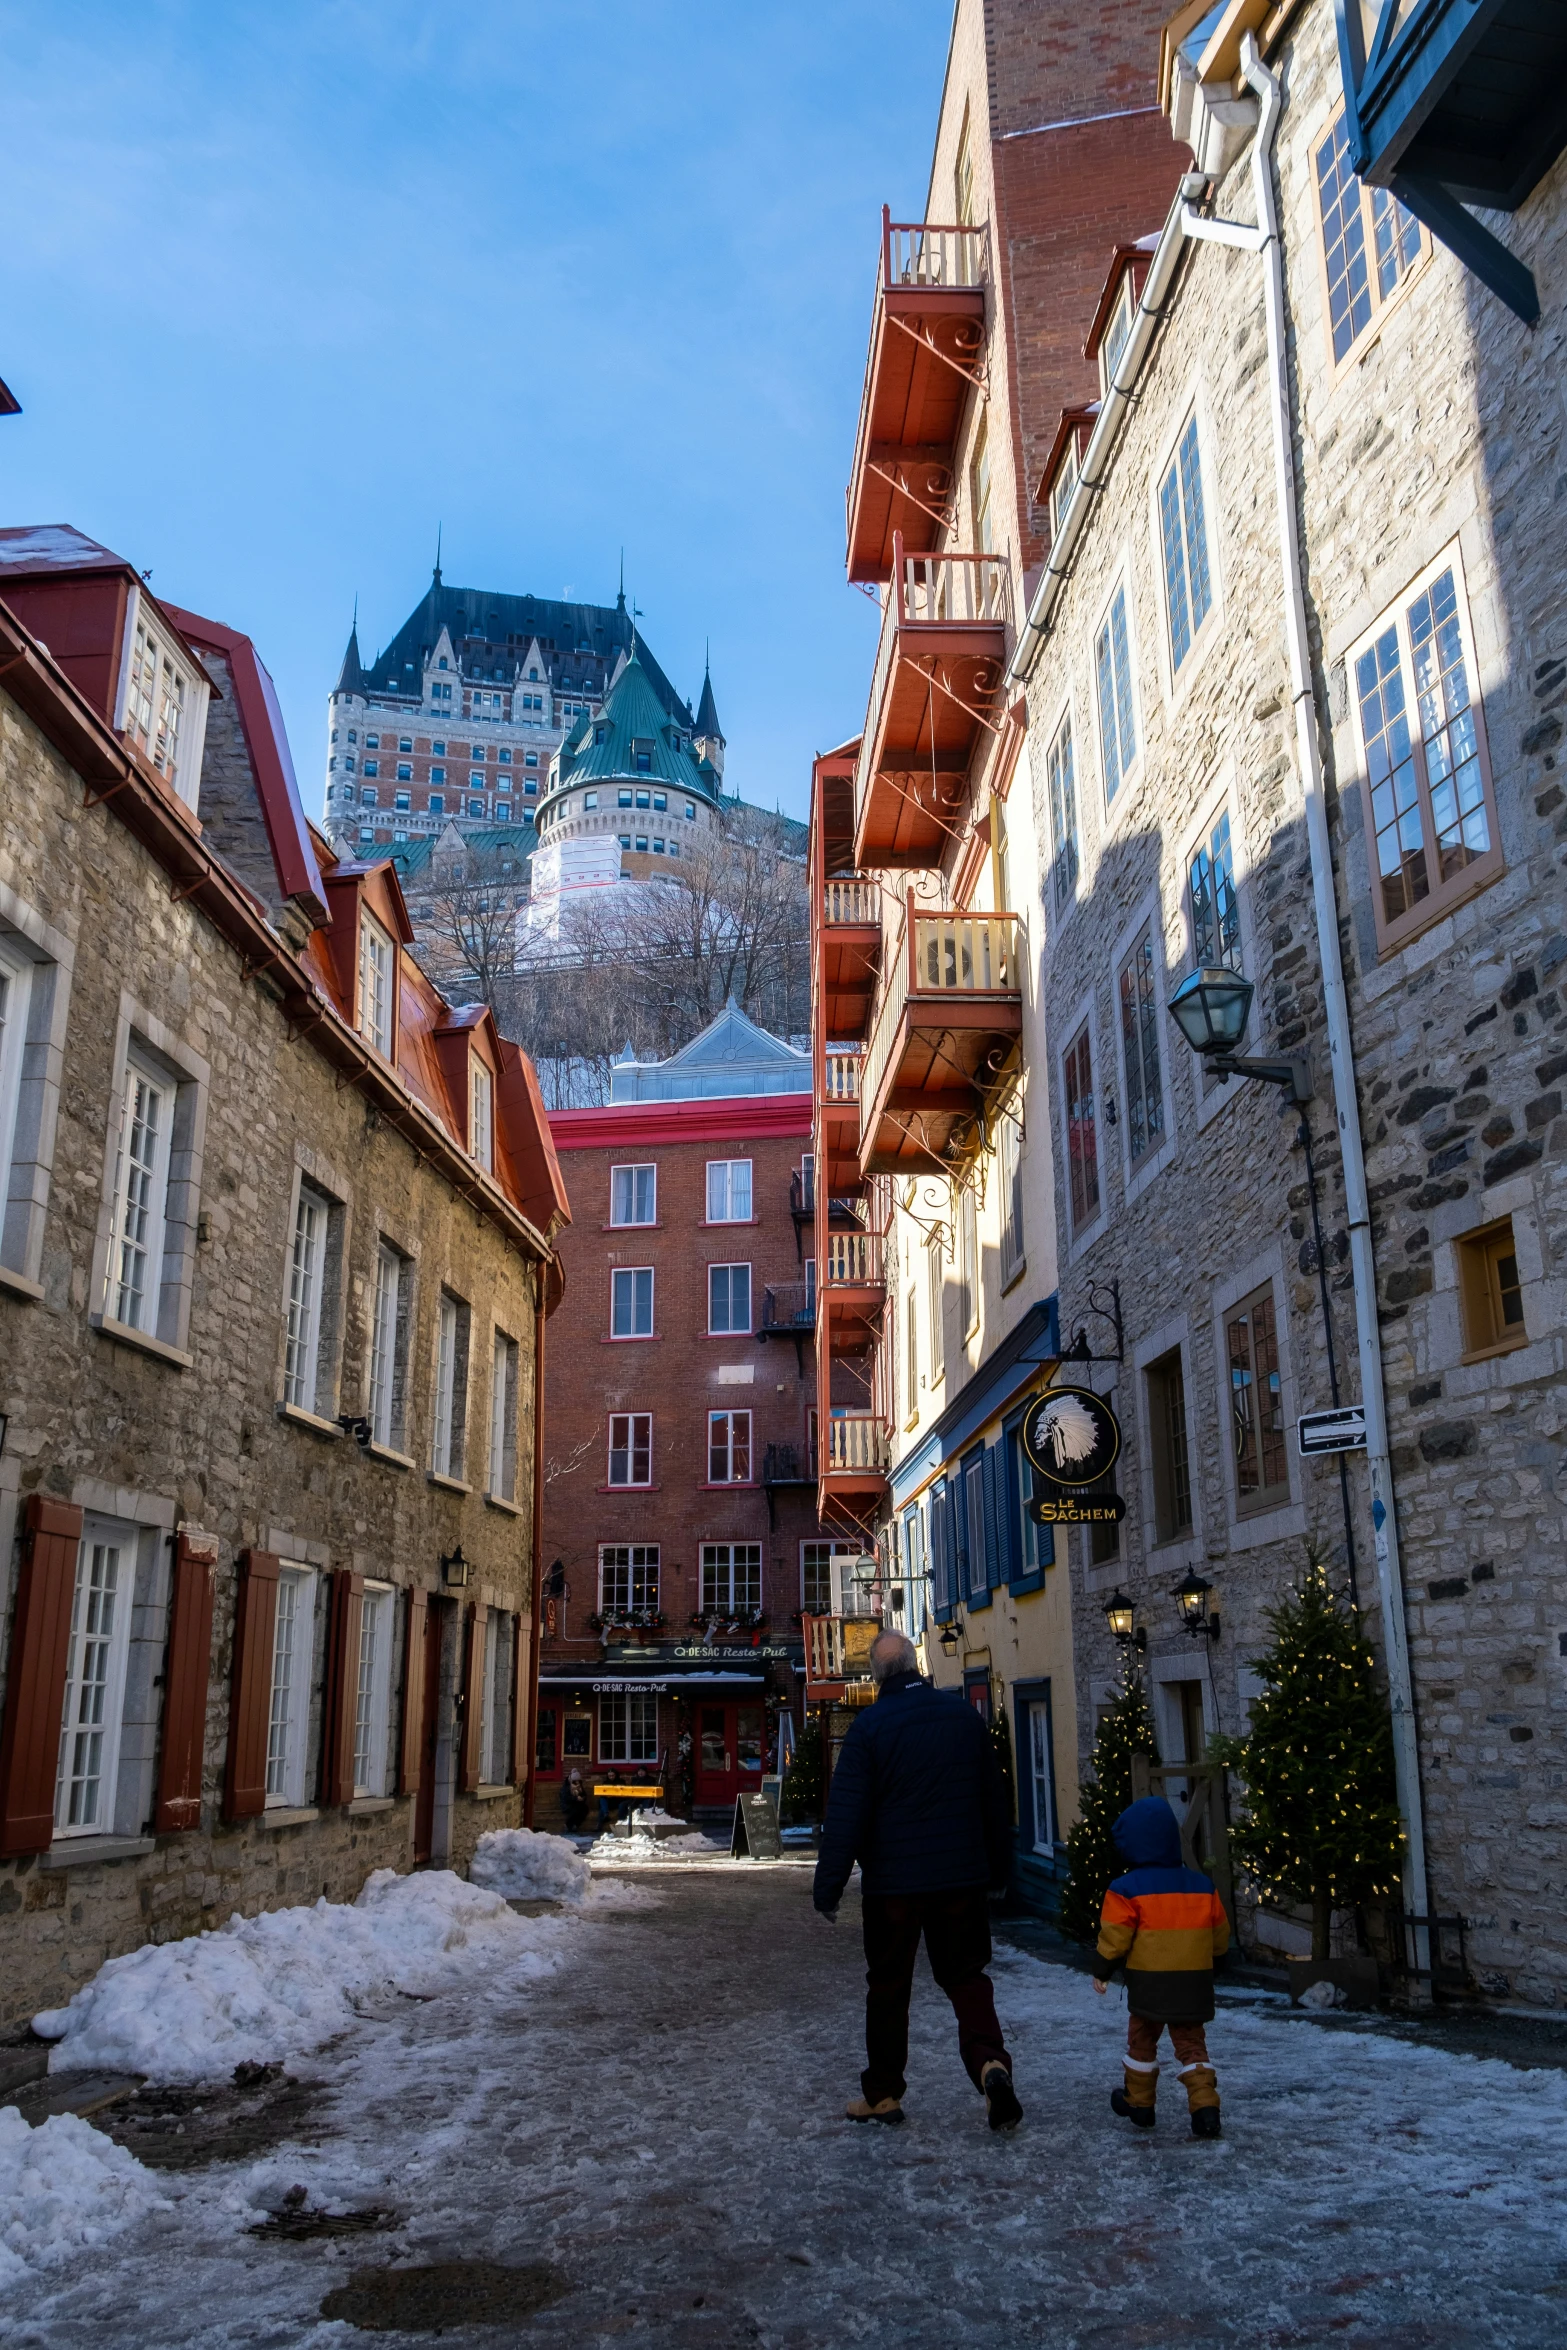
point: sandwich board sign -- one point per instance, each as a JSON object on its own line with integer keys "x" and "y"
{"x": 1337, "y": 1431}
{"x": 755, "y": 1829}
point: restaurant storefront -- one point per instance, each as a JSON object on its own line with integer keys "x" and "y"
{"x": 697, "y": 1723}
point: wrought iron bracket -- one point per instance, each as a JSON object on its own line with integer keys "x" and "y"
{"x": 1080, "y": 1351}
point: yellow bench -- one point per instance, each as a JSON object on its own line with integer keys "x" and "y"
{"x": 631, "y": 1794}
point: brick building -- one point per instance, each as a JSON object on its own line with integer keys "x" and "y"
{"x": 681, "y": 1538}
{"x": 274, "y": 1266}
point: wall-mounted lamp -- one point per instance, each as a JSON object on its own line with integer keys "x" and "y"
{"x": 949, "y": 1639}
{"x": 1191, "y": 1597}
{"x": 1121, "y": 1616}
{"x": 455, "y": 1569}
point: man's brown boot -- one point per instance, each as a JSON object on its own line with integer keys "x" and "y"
{"x": 885, "y": 2109}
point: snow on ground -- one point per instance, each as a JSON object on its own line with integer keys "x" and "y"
{"x": 64, "y": 2188}
{"x": 274, "y": 1987}
{"x": 521, "y": 1863}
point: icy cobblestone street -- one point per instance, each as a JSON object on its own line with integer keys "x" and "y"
{"x": 659, "y": 2121}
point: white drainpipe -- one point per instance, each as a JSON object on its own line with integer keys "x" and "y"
{"x": 1184, "y": 221}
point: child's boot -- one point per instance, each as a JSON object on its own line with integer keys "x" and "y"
{"x": 1135, "y": 2102}
{"x": 1202, "y": 2099}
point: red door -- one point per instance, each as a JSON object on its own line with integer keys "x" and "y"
{"x": 729, "y": 1751}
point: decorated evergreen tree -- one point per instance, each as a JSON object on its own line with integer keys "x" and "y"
{"x": 805, "y": 1780}
{"x": 1322, "y": 1822}
{"x": 1001, "y": 1740}
{"x": 1092, "y": 1858}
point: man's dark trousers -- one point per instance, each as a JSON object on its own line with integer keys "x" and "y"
{"x": 956, "y": 1927}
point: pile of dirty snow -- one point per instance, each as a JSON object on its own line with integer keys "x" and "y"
{"x": 64, "y": 2188}
{"x": 641, "y": 1847}
{"x": 522, "y": 1864}
{"x": 273, "y": 1987}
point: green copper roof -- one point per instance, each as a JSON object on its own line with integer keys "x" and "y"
{"x": 633, "y": 725}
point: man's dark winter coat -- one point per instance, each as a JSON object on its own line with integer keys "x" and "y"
{"x": 917, "y": 1799}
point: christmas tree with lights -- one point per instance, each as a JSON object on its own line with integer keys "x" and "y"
{"x": 805, "y": 1780}
{"x": 1092, "y": 1858}
{"x": 1322, "y": 1821}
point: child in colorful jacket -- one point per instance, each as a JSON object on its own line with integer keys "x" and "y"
{"x": 1166, "y": 1924}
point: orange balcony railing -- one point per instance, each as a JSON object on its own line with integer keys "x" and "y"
{"x": 944, "y": 1042}
{"x": 848, "y": 955}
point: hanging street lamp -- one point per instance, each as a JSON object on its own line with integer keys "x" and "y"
{"x": 1191, "y": 1597}
{"x": 1121, "y": 1615}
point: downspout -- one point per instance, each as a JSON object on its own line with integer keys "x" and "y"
{"x": 531, "y": 1752}
{"x": 1390, "y": 1583}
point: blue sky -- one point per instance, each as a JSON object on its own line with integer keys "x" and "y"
{"x": 285, "y": 286}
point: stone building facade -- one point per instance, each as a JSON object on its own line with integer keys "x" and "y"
{"x": 681, "y": 1538}
{"x": 277, "y": 1252}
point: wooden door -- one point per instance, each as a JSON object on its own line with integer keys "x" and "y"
{"x": 429, "y": 1736}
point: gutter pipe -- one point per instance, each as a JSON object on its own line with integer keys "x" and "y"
{"x": 530, "y": 1756}
{"x": 1264, "y": 238}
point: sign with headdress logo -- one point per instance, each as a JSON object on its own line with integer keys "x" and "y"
{"x": 1071, "y": 1436}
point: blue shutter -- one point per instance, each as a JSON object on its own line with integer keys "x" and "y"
{"x": 940, "y": 1555}
{"x": 995, "y": 1516}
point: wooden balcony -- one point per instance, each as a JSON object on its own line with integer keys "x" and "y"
{"x": 838, "y": 1659}
{"x": 838, "y": 1123}
{"x": 938, "y": 666}
{"x": 852, "y": 1288}
{"x": 927, "y": 343}
{"x": 854, "y": 1458}
{"x": 944, "y": 1045}
{"x": 849, "y": 954}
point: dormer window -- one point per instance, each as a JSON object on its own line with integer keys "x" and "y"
{"x": 374, "y": 1016}
{"x": 1119, "y": 325}
{"x": 160, "y": 691}
{"x": 481, "y": 1115}
{"x": 1065, "y": 484}
{"x": 441, "y": 664}
{"x": 533, "y": 677}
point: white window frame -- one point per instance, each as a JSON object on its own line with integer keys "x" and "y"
{"x": 16, "y": 1004}
{"x": 375, "y": 1011}
{"x": 373, "y": 1697}
{"x": 153, "y": 673}
{"x": 1060, "y": 786}
{"x": 633, "y": 1170}
{"x": 1116, "y": 797}
{"x": 1224, "y": 800}
{"x": 633, "y": 1273}
{"x": 1194, "y": 422}
{"x": 139, "y": 1220}
{"x": 640, "y": 1567}
{"x": 628, "y": 1422}
{"x": 450, "y": 1392}
{"x": 385, "y": 1342}
{"x": 1082, "y": 1019}
{"x": 37, "y": 1040}
{"x": 93, "y": 1707}
{"x": 718, "y": 1573}
{"x": 1012, "y": 1202}
{"x": 729, "y": 1194}
{"x": 481, "y": 1114}
{"x": 505, "y": 1375}
{"x": 303, "y": 1294}
{"x": 830, "y": 1547}
{"x": 627, "y": 1726}
{"x": 288, "y": 1704}
{"x": 726, "y": 1443}
{"x": 731, "y": 1328}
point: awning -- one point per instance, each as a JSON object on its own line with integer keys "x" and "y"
{"x": 599, "y": 1682}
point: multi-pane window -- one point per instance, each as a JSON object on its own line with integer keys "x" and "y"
{"x": 1188, "y": 585}
{"x": 936, "y": 1288}
{"x": 628, "y": 1727}
{"x": 1011, "y": 1155}
{"x": 1113, "y": 683}
{"x": 1061, "y": 779}
{"x": 633, "y": 1195}
{"x": 1140, "y": 1048}
{"x": 911, "y": 1357}
{"x": 731, "y": 1578}
{"x": 1433, "y": 819}
{"x": 728, "y": 1299}
{"x": 451, "y": 1387}
{"x": 1172, "y": 1476}
{"x": 372, "y": 1696}
{"x": 1215, "y": 908}
{"x": 505, "y": 1365}
{"x": 1369, "y": 242}
{"x": 729, "y": 1448}
{"x": 306, "y": 1284}
{"x": 631, "y": 1302}
{"x": 96, "y": 1650}
{"x": 630, "y": 1448}
{"x": 1020, "y": 1492}
{"x": 140, "y": 1207}
{"x": 1117, "y": 328}
{"x": 385, "y": 1333}
{"x": 729, "y": 1191}
{"x": 1082, "y": 1143}
{"x": 979, "y": 490}
{"x": 968, "y": 1260}
{"x": 16, "y": 974}
{"x": 1251, "y": 1345}
{"x": 375, "y": 986}
{"x": 628, "y": 1579}
{"x": 816, "y": 1592}
{"x": 481, "y": 1115}
{"x": 288, "y": 1709}
{"x": 1490, "y": 1291}
{"x": 156, "y": 688}
{"x": 496, "y": 1698}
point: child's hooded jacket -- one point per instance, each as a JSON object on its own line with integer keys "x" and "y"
{"x": 1164, "y": 1921}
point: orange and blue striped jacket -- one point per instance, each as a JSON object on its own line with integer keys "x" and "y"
{"x": 1163, "y": 1922}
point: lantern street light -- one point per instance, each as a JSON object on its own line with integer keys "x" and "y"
{"x": 455, "y": 1569}
{"x": 949, "y": 1638}
{"x": 1191, "y": 1597}
{"x": 1120, "y": 1615}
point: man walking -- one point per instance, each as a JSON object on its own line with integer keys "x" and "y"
{"x": 919, "y": 1801}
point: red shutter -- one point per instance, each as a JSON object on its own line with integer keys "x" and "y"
{"x": 35, "y": 1674}
{"x": 413, "y": 1693}
{"x": 342, "y": 1690}
{"x": 250, "y": 1693}
{"x": 186, "y": 1676}
{"x": 473, "y": 1700}
{"x": 519, "y": 1703}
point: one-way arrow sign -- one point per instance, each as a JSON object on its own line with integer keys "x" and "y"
{"x": 1340, "y": 1431}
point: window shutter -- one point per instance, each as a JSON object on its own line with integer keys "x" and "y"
{"x": 250, "y": 1692}
{"x": 521, "y": 1699}
{"x": 940, "y": 1556}
{"x": 995, "y": 1569}
{"x": 342, "y": 1690}
{"x": 473, "y": 1700}
{"x": 186, "y": 1677}
{"x": 35, "y": 1674}
{"x": 414, "y": 1622}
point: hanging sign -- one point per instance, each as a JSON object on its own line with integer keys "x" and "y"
{"x": 1072, "y": 1437}
{"x": 1059, "y": 1508}
{"x": 1337, "y": 1431}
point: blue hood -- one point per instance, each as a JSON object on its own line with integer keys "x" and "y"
{"x": 1147, "y": 1835}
